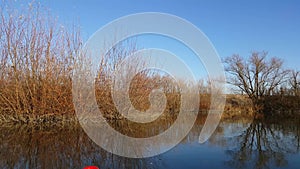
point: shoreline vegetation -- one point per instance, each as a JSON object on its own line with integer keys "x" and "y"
{"x": 38, "y": 56}
{"x": 236, "y": 107}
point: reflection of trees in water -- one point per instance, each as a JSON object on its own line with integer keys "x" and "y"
{"x": 261, "y": 145}
{"x": 264, "y": 144}
{"x": 59, "y": 147}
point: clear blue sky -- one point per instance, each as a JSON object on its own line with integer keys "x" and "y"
{"x": 233, "y": 26}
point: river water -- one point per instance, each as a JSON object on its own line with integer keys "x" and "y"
{"x": 235, "y": 144}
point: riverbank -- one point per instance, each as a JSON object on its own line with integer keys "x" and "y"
{"x": 237, "y": 106}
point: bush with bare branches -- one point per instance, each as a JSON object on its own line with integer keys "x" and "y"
{"x": 37, "y": 55}
{"x": 256, "y": 76}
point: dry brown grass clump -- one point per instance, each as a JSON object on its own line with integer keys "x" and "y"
{"x": 37, "y": 55}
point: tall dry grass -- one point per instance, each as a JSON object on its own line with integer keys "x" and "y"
{"x": 37, "y": 55}
{"x": 37, "y": 58}
{"x": 142, "y": 84}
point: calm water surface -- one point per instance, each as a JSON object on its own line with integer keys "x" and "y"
{"x": 235, "y": 144}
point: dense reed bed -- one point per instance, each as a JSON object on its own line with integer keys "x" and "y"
{"x": 37, "y": 60}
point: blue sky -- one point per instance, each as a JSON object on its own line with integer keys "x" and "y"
{"x": 232, "y": 26}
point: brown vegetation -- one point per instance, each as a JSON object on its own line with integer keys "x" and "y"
{"x": 38, "y": 56}
{"x": 286, "y": 106}
{"x": 37, "y": 59}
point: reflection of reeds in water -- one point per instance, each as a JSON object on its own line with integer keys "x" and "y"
{"x": 52, "y": 146}
{"x": 145, "y": 139}
{"x": 142, "y": 130}
{"x": 58, "y": 147}
{"x": 263, "y": 143}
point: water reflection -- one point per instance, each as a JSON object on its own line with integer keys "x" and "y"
{"x": 58, "y": 147}
{"x": 264, "y": 144}
{"x": 261, "y": 144}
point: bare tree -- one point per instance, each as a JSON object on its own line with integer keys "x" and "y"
{"x": 294, "y": 82}
{"x": 255, "y": 76}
